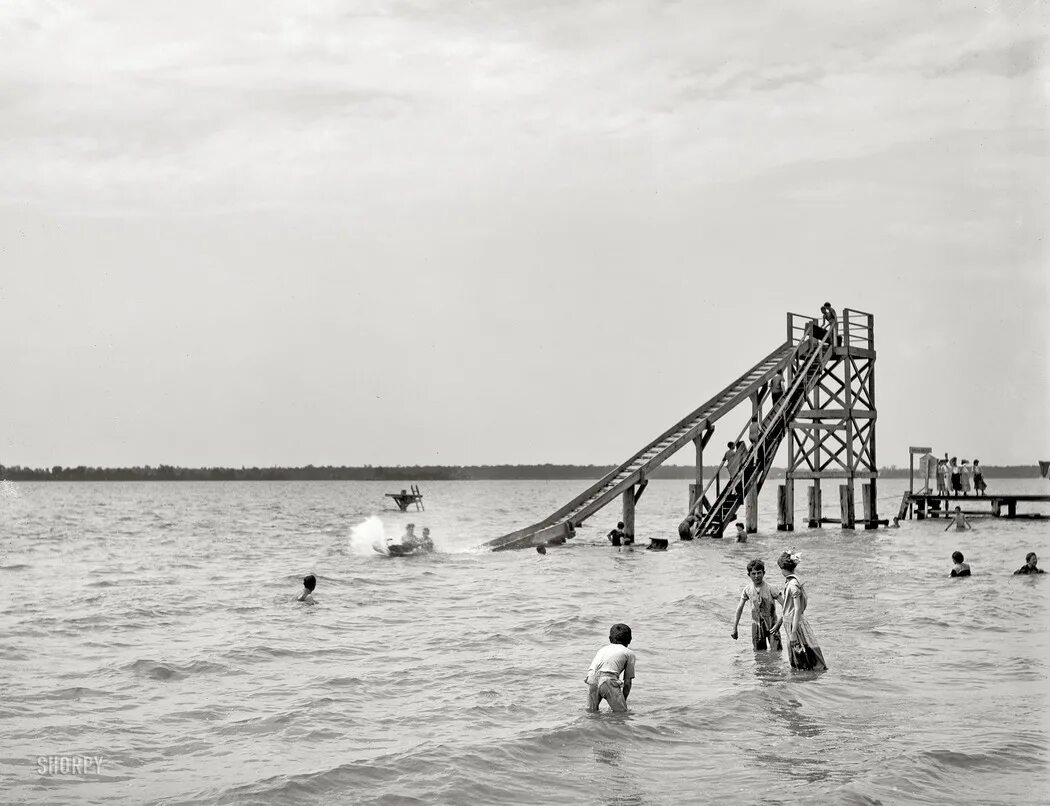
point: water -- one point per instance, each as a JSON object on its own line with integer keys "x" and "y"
{"x": 154, "y": 625}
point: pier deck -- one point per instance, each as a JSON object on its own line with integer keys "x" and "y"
{"x": 999, "y": 505}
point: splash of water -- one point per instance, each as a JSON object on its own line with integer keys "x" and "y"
{"x": 369, "y": 531}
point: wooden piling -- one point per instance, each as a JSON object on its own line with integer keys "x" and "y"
{"x": 751, "y": 512}
{"x": 848, "y": 519}
{"x": 628, "y": 512}
{"x": 782, "y": 510}
{"x": 813, "y": 494}
{"x": 698, "y": 443}
{"x": 870, "y": 517}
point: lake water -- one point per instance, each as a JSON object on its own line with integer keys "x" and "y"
{"x": 154, "y": 625}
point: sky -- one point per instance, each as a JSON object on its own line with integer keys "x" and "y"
{"x": 290, "y": 232}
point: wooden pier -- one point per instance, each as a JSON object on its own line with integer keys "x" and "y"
{"x": 999, "y": 505}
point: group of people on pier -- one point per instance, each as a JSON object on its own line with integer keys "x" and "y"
{"x": 957, "y": 478}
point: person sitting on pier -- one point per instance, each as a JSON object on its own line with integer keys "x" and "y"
{"x": 960, "y": 569}
{"x": 958, "y": 521}
{"x": 1030, "y": 565}
{"x": 617, "y": 535}
{"x": 307, "y": 596}
{"x": 763, "y": 608}
{"x": 978, "y": 478}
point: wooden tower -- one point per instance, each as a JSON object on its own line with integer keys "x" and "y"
{"x": 833, "y": 436}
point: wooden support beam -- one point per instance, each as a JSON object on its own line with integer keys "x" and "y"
{"x": 751, "y": 512}
{"x": 846, "y": 506}
{"x": 640, "y": 488}
{"x": 871, "y": 519}
{"x": 785, "y": 519}
{"x": 836, "y": 414}
{"x": 833, "y": 474}
{"x": 628, "y": 512}
{"x": 813, "y": 494}
{"x": 817, "y": 426}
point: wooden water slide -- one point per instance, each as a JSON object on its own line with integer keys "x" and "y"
{"x": 562, "y": 523}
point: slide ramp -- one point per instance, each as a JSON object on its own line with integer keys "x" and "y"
{"x": 561, "y": 524}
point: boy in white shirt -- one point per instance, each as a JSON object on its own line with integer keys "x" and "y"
{"x": 603, "y": 675}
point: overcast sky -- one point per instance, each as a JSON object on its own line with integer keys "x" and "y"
{"x": 287, "y": 232}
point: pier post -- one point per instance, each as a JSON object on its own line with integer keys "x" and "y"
{"x": 871, "y": 519}
{"x": 813, "y": 494}
{"x": 628, "y": 512}
{"x": 694, "y": 493}
{"x": 846, "y": 504}
{"x": 698, "y": 442}
{"x": 751, "y": 512}
{"x": 782, "y": 510}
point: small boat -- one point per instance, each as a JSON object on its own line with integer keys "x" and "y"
{"x": 398, "y": 550}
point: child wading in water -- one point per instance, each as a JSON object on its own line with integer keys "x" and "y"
{"x": 763, "y": 608}
{"x": 603, "y": 675}
{"x": 958, "y": 521}
{"x": 804, "y": 651}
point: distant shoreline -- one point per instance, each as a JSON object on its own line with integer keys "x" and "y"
{"x": 400, "y": 473}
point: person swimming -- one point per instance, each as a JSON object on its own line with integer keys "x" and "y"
{"x": 307, "y": 595}
{"x": 960, "y": 569}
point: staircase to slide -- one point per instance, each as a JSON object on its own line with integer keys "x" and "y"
{"x": 711, "y": 519}
{"x": 561, "y": 524}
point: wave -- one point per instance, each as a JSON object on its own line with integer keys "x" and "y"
{"x": 158, "y": 670}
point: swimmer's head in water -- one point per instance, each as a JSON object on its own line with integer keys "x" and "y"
{"x": 410, "y": 527}
{"x": 958, "y": 509}
{"x": 1031, "y": 558}
{"x": 426, "y": 531}
{"x": 619, "y": 524}
{"x": 620, "y": 634}
{"x": 541, "y": 549}
{"x": 309, "y": 582}
{"x": 957, "y": 556}
{"x": 756, "y": 568}
{"x": 740, "y": 527}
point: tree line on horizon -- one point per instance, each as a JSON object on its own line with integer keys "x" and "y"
{"x": 401, "y": 473}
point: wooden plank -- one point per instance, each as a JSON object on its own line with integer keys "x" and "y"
{"x": 833, "y": 474}
{"x": 836, "y": 414}
{"x": 817, "y": 426}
